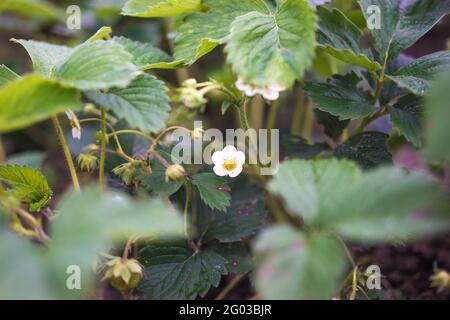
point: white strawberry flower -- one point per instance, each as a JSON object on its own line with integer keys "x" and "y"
{"x": 75, "y": 124}
{"x": 229, "y": 162}
{"x": 270, "y": 92}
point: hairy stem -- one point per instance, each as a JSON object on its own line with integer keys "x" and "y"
{"x": 187, "y": 187}
{"x": 233, "y": 283}
{"x": 67, "y": 154}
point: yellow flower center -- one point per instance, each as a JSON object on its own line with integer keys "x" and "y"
{"x": 229, "y": 164}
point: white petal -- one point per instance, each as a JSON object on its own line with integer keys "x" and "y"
{"x": 241, "y": 85}
{"x": 250, "y": 92}
{"x": 270, "y": 94}
{"x": 217, "y": 158}
{"x": 235, "y": 172}
{"x": 69, "y": 114}
{"x": 240, "y": 158}
{"x": 220, "y": 171}
{"x": 276, "y": 87}
{"x": 229, "y": 152}
{"x": 76, "y": 133}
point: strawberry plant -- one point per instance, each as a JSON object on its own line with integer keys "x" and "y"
{"x": 140, "y": 201}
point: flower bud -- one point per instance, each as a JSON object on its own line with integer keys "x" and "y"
{"x": 123, "y": 274}
{"x": 175, "y": 173}
{"x": 125, "y": 172}
{"x": 87, "y": 162}
{"x": 440, "y": 280}
{"x": 190, "y": 83}
{"x": 98, "y": 137}
{"x": 192, "y": 98}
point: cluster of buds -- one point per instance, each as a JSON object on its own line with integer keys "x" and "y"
{"x": 175, "y": 173}
{"x": 87, "y": 162}
{"x": 192, "y": 94}
{"x": 126, "y": 172}
{"x": 123, "y": 274}
{"x": 440, "y": 280}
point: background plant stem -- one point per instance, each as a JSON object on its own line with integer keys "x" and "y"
{"x": 67, "y": 154}
{"x": 101, "y": 178}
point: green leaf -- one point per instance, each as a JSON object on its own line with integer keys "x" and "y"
{"x": 332, "y": 125}
{"x": 298, "y": 148}
{"x": 97, "y": 65}
{"x": 7, "y": 75}
{"x": 88, "y": 222}
{"x": 368, "y": 149}
{"x": 238, "y": 258}
{"x": 31, "y": 8}
{"x": 406, "y": 117}
{"x": 144, "y": 104}
{"x": 341, "y": 97}
{"x": 378, "y": 206}
{"x": 340, "y": 37}
{"x": 200, "y": 32}
{"x": 32, "y": 99}
{"x": 273, "y": 48}
{"x": 22, "y": 274}
{"x": 399, "y": 31}
{"x": 244, "y": 217}
{"x": 389, "y": 204}
{"x": 225, "y": 106}
{"x": 296, "y": 266}
{"x": 173, "y": 271}
{"x": 33, "y": 159}
{"x": 437, "y": 115}
{"x": 390, "y": 17}
{"x": 309, "y": 187}
{"x": 417, "y": 76}
{"x": 160, "y": 8}
{"x": 213, "y": 190}
{"x": 145, "y": 56}
{"x": 27, "y": 184}
{"x": 45, "y": 56}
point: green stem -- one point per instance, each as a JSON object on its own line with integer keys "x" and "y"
{"x": 67, "y": 154}
{"x": 233, "y": 283}
{"x": 296, "y": 123}
{"x": 101, "y": 178}
{"x": 187, "y": 187}
{"x": 2, "y": 151}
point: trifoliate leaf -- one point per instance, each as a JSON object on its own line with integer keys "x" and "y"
{"x": 200, "y": 33}
{"x": 296, "y": 266}
{"x": 88, "y": 222}
{"x": 144, "y": 104}
{"x": 368, "y": 149}
{"x": 45, "y": 56}
{"x": 378, "y": 206}
{"x": 309, "y": 188}
{"x": 340, "y": 37}
{"x": 243, "y": 218}
{"x": 273, "y": 48}
{"x": 417, "y": 76}
{"x": 32, "y": 99}
{"x": 160, "y": 8}
{"x": 437, "y": 115}
{"x": 174, "y": 271}
{"x": 341, "y": 97}
{"x": 213, "y": 190}
{"x": 406, "y": 117}
{"x": 387, "y": 205}
{"x": 7, "y": 75}
{"x": 27, "y": 184}
{"x": 400, "y": 30}
{"x": 97, "y": 65}
{"x": 145, "y": 56}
